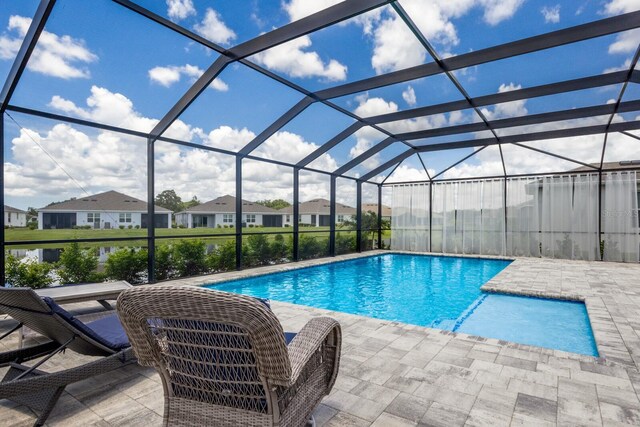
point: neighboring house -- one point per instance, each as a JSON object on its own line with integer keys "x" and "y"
{"x": 14, "y": 217}
{"x": 221, "y": 212}
{"x": 101, "y": 211}
{"x": 316, "y": 212}
{"x": 373, "y": 207}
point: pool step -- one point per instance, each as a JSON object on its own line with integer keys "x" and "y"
{"x": 445, "y": 324}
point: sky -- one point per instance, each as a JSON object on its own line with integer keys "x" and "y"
{"x": 99, "y": 61}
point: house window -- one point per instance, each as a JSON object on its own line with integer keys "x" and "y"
{"x": 340, "y": 218}
{"x": 93, "y": 217}
{"x": 250, "y": 218}
{"x": 288, "y": 218}
{"x": 227, "y": 217}
{"x": 125, "y": 217}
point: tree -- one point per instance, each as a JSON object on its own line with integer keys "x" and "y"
{"x": 191, "y": 203}
{"x": 78, "y": 265}
{"x": 274, "y": 204}
{"x": 168, "y": 199}
{"x": 32, "y": 212}
{"x": 369, "y": 227}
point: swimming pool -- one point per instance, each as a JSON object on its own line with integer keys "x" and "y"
{"x": 434, "y": 291}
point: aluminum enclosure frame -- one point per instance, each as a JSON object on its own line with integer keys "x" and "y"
{"x": 325, "y": 18}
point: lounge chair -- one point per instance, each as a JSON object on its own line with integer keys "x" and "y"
{"x": 40, "y": 390}
{"x": 223, "y": 358}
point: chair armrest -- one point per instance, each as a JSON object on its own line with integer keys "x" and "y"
{"x": 309, "y": 340}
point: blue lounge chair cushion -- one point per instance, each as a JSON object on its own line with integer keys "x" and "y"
{"x": 107, "y": 331}
{"x": 289, "y": 336}
{"x": 111, "y": 331}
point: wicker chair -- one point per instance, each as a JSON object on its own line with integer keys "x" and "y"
{"x": 223, "y": 359}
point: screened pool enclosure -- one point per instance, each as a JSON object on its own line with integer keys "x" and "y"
{"x": 467, "y": 171}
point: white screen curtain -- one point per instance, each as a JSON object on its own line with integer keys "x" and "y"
{"x": 620, "y": 217}
{"x": 569, "y": 226}
{"x": 523, "y": 216}
{"x": 493, "y": 230}
{"x": 468, "y": 217}
{"x": 410, "y": 217}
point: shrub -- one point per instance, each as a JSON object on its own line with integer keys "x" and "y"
{"x": 130, "y": 226}
{"x": 121, "y": 227}
{"x": 127, "y": 264}
{"x": 182, "y": 226}
{"x": 219, "y": 226}
{"x": 223, "y": 258}
{"x": 279, "y": 249}
{"x": 189, "y": 257}
{"x": 137, "y": 226}
{"x": 163, "y": 266}
{"x": 259, "y": 250}
{"x": 345, "y": 243}
{"x": 311, "y": 247}
{"x": 27, "y": 273}
{"x": 225, "y": 226}
{"x": 250, "y": 225}
{"x": 77, "y": 265}
{"x": 32, "y": 225}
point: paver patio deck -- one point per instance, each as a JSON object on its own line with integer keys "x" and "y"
{"x": 394, "y": 374}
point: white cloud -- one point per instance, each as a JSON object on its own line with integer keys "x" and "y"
{"x": 624, "y": 67}
{"x": 615, "y": 7}
{"x": 229, "y": 138}
{"x": 496, "y": 11}
{"x": 293, "y": 59}
{"x": 298, "y": 9}
{"x": 57, "y": 56}
{"x": 395, "y": 47}
{"x": 626, "y": 42}
{"x": 167, "y": 76}
{"x": 551, "y": 14}
{"x": 213, "y": 28}
{"x": 104, "y": 106}
{"x": 409, "y": 96}
{"x": 506, "y": 109}
{"x": 100, "y": 160}
{"x": 180, "y": 9}
{"x": 408, "y": 173}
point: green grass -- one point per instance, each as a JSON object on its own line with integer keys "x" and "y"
{"x": 24, "y": 235}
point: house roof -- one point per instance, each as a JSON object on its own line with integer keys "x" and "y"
{"x": 373, "y": 207}
{"x": 227, "y": 204}
{"x": 319, "y": 207}
{"x": 107, "y": 201}
{"x": 8, "y": 208}
{"x": 610, "y": 166}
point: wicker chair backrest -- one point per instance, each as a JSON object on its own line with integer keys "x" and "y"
{"x": 211, "y": 347}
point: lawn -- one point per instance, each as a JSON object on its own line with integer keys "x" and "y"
{"x": 24, "y": 235}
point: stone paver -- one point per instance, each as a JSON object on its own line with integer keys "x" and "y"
{"x": 393, "y": 374}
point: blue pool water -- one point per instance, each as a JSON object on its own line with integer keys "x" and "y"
{"x": 439, "y": 292}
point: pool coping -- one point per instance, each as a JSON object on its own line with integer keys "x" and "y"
{"x": 609, "y": 341}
